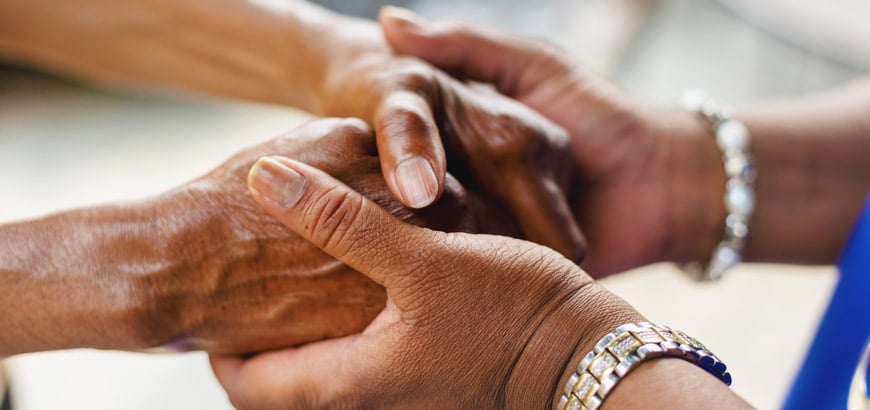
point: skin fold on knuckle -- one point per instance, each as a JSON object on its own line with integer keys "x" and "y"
{"x": 498, "y": 140}
{"x": 415, "y": 76}
{"x": 353, "y": 134}
{"x": 399, "y": 80}
{"x": 505, "y": 136}
{"x": 402, "y": 118}
{"x": 324, "y": 127}
{"x": 331, "y": 215}
{"x": 544, "y": 148}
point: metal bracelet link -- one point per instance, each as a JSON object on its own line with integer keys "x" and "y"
{"x": 618, "y": 353}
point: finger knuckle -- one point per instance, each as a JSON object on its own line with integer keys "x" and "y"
{"x": 402, "y": 117}
{"x": 513, "y": 141}
{"x": 352, "y": 128}
{"x": 408, "y": 74}
{"x": 508, "y": 144}
{"x": 416, "y": 76}
{"x": 334, "y": 214}
{"x": 310, "y": 132}
{"x": 334, "y": 126}
{"x": 350, "y": 132}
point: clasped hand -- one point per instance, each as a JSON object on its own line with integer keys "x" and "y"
{"x": 272, "y": 290}
{"x": 462, "y": 309}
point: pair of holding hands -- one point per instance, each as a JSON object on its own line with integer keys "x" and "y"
{"x": 597, "y": 187}
{"x": 473, "y": 320}
{"x": 476, "y": 321}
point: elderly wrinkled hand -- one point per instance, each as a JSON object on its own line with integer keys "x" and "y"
{"x": 249, "y": 285}
{"x": 471, "y": 320}
{"x": 203, "y": 267}
{"x": 514, "y": 173}
{"x": 638, "y": 165}
{"x": 422, "y": 118}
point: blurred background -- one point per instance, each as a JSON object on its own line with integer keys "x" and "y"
{"x": 64, "y": 144}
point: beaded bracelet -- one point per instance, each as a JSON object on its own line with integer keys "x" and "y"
{"x": 732, "y": 138}
{"x": 618, "y": 353}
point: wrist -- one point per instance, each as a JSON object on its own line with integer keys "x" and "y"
{"x": 315, "y": 43}
{"x": 812, "y": 178}
{"x": 186, "y": 261}
{"x": 694, "y": 187}
{"x": 354, "y": 61}
{"x": 557, "y": 346}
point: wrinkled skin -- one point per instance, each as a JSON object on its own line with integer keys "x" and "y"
{"x": 472, "y": 321}
{"x": 507, "y": 150}
{"x": 247, "y": 284}
{"x": 638, "y": 165}
{"x": 498, "y": 148}
{"x": 242, "y": 283}
{"x": 202, "y": 267}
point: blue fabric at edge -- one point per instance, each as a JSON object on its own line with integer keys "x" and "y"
{"x": 824, "y": 380}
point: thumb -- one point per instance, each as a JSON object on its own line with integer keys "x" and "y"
{"x": 333, "y": 217}
{"x": 513, "y": 64}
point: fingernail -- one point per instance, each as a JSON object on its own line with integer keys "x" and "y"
{"x": 417, "y": 182}
{"x": 404, "y": 17}
{"x": 276, "y": 182}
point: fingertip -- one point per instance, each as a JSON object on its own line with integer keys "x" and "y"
{"x": 410, "y": 148}
{"x": 272, "y": 179}
{"x": 417, "y": 184}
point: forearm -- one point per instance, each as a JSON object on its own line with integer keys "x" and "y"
{"x": 670, "y": 383}
{"x": 75, "y": 279}
{"x": 275, "y": 52}
{"x": 560, "y": 342}
{"x": 812, "y": 158}
{"x": 813, "y": 161}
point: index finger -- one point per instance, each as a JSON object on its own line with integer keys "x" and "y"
{"x": 410, "y": 149}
